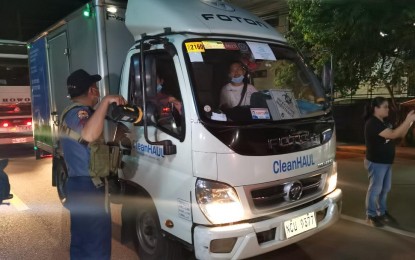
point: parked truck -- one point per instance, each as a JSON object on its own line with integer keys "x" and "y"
{"x": 223, "y": 184}
{"x": 15, "y": 97}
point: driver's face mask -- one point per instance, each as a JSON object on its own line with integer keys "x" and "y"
{"x": 159, "y": 88}
{"x": 238, "y": 80}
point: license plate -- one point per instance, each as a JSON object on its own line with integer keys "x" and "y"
{"x": 24, "y": 128}
{"x": 300, "y": 224}
{"x": 19, "y": 140}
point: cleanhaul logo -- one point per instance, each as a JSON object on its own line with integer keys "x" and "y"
{"x": 299, "y": 162}
{"x": 149, "y": 150}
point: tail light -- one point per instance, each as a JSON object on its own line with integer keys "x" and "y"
{"x": 14, "y": 123}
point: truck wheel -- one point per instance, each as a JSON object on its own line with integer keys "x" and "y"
{"x": 61, "y": 175}
{"x": 150, "y": 242}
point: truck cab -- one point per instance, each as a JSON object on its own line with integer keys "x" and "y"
{"x": 228, "y": 183}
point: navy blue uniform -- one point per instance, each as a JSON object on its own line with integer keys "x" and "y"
{"x": 90, "y": 223}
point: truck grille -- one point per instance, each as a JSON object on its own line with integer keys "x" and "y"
{"x": 276, "y": 195}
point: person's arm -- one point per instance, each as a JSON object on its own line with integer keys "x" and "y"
{"x": 401, "y": 130}
{"x": 95, "y": 124}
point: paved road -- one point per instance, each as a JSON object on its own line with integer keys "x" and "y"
{"x": 352, "y": 179}
{"x": 36, "y": 226}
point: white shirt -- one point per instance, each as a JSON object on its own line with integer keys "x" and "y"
{"x": 231, "y": 95}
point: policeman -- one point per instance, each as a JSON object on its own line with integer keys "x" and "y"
{"x": 89, "y": 214}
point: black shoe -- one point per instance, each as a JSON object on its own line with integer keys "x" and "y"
{"x": 374, "y": 221}
{"x": 387, "y": 218}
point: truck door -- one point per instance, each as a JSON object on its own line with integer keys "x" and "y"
{"x": 167, "y": 119}
{"x": 59, "y": 72}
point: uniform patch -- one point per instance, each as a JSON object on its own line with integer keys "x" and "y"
{"x": 83, "y": 114}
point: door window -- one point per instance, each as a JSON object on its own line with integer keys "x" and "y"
{"x": 164, "y": 103}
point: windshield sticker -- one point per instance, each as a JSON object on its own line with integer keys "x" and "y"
{"x": 232, "y": 46}
{"x": 285, "y": 103}
{"x": 213, "y": 45}
{"x": 260, "y": 113}
{"x": 194, "y": 47}
{"x": 261, "y": 51}
{"x": 195, "y": 57}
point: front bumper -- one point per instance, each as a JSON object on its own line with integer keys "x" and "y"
{"x": 246, "y": 233}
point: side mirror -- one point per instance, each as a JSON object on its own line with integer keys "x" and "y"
{"x": 150, "y": 75}
{"x": 327, "y": 76}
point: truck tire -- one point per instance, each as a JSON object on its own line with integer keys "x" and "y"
{"x": 150, "y": 241}
{"x": 61, "y": 176}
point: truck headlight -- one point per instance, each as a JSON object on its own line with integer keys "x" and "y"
{"x": 332, "y": 181}
{"x": 218, "y": 202}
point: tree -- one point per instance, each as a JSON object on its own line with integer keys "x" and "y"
{"x": 372, "y": 41}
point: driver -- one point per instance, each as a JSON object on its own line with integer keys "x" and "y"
{"x": 237, "y": 92}
{"x": 164, "y": 99}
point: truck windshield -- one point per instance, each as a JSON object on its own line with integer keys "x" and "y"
{"x": 249, "y": 82}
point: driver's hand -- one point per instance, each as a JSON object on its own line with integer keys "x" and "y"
{"x": 177, "y": 104}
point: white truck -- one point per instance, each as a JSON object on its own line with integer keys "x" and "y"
{"x": 222, "y": 184}
{"x": 15, "y": 97}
